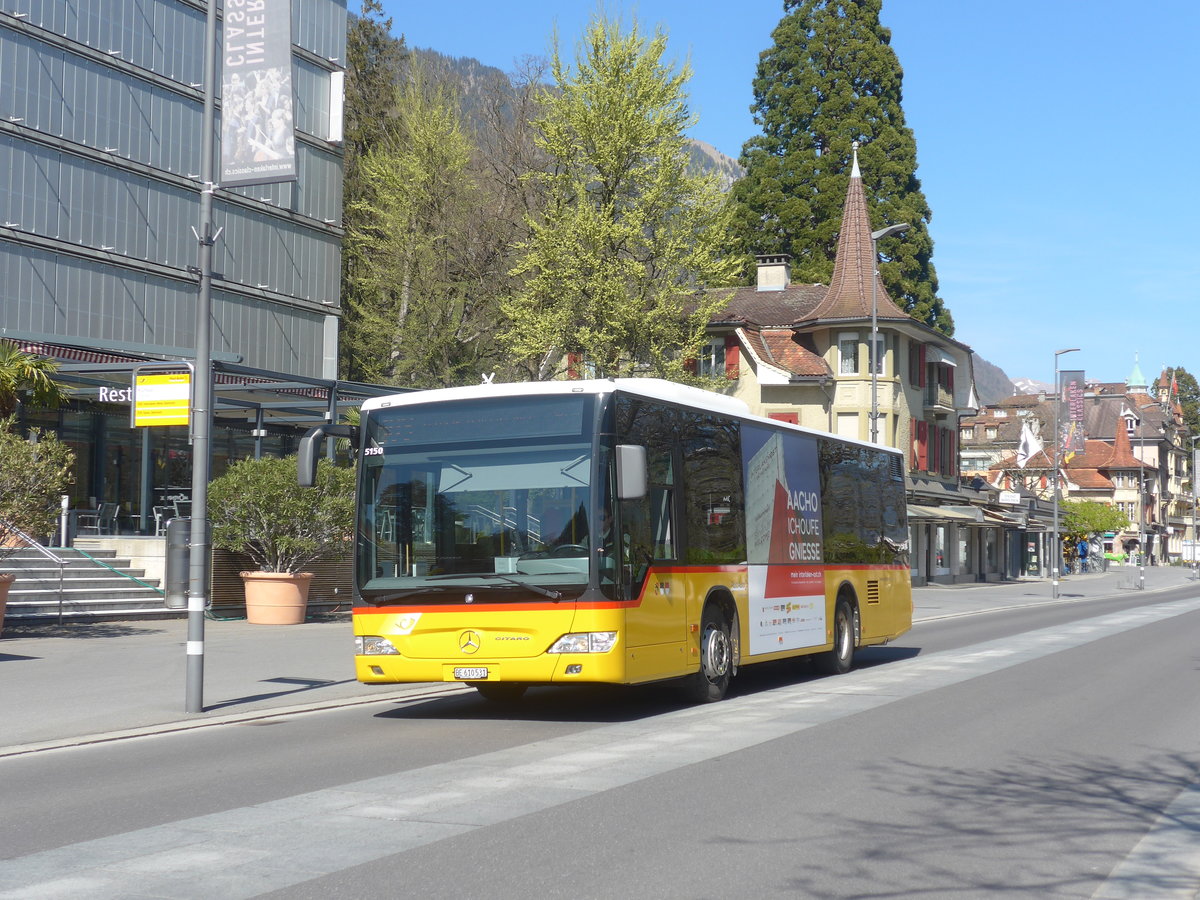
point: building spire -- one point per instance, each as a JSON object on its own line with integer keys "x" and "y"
{"x": 849, "y": 294}
{"x": 1136, "y": 382}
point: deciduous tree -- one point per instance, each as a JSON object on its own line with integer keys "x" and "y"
{"x": 829, "y": 79}
{"x": 1188, "y": 397}
{"x": 1088, "y": 517}
{"x": 422, "y": 249}
{"x": 626, "y": 232}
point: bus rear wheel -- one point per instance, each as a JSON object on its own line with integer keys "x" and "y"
{"x": 500, "y": 692}
{"x": 839, "y": 660}
{"x": 716, "y": 659}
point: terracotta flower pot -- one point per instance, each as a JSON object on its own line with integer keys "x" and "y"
{"x": 276, "y": 598}
{"x": 6, "y": 580}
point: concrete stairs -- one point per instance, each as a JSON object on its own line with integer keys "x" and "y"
{"x": 103, "y": 587}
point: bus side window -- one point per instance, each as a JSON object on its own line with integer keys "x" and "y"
{"x": 660, "y": 512}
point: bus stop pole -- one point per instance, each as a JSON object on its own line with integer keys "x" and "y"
{"x": 201, "y": 424}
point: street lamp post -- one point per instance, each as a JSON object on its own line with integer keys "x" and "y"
{"x": 875, "y": 237}
{"x": 1195, "y": 543}
{"x": 1056, "y": 556}
{"x": 1141, "y": 525}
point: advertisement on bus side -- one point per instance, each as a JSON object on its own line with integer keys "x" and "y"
{"x": 783, "y": 541}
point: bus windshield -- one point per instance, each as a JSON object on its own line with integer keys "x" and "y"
{"x": 490, "y": 499}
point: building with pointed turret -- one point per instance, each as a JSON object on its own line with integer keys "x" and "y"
{"x": 844, "y": 358}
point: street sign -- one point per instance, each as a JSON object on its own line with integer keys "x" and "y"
{"x": 161, "y": 399}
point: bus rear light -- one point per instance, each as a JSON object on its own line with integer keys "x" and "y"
{"x": 585, "y": 642}
{"x": 371, "y": 645}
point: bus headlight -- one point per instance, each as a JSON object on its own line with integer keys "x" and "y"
{"x": 585, "y": 642}
{"x": 370, "y": 645}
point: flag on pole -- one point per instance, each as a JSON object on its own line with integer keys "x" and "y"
{"x": 1029, "y": 446}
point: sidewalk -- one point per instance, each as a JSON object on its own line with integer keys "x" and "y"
{"x": 88, "y": 682}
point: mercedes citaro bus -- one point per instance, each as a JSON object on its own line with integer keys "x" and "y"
{"x": 618, "y": 531}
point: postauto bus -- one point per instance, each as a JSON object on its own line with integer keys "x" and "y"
{"x": 618, "y": 531}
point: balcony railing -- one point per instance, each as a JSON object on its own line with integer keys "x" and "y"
{"x": 938, "y": 399}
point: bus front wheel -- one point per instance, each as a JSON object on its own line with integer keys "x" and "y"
{"x": 839, "y": 660}
{"x": 716, "y": 659}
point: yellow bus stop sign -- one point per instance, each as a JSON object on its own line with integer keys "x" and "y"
{"x": 161, "y": 399}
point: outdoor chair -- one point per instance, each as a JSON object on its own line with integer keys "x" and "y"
{"x": 162, "y": 514}
{"x": 102, "y": 520}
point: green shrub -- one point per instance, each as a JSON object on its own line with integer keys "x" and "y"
{"x": 258, "y": 508}
{"x": 34, "y": 474}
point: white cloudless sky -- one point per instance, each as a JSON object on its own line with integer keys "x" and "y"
{"x": 1054, "y": 144}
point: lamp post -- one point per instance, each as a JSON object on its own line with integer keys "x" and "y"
{"x": 875, "y": 237}
{"x": 1056, "y": 557}
{"x": 1195, "y": 543}
{"x": 1141, "y": 522}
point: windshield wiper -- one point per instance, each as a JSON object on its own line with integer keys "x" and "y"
{"x": 536, "y": 588}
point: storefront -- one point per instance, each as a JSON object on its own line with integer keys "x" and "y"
{"x": 129, "y": 480}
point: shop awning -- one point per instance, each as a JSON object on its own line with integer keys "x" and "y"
{"x": 994, "y": 516}
{"x": 942, "y": 513}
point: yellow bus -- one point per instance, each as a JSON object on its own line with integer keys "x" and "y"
{"x": 619, "y": 531}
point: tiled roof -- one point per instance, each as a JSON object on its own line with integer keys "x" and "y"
{"x": 850, "y": 292}
{"x": 781, "y": 348}
{"x": 1089, "y": 479}
{"x": 765, "y": 309}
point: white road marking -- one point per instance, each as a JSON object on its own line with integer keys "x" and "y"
{"x": 284, "y": 842}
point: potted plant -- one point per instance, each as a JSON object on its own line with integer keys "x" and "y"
{"x": 258, "y": 508}
{"x": 34, "y": 473}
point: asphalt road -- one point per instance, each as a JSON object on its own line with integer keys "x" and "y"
{"x": 1048, "y": 752}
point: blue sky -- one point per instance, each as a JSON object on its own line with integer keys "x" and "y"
{"x": 1054, "y": 145}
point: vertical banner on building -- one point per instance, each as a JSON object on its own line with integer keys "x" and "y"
{"x": 257, "y": 139}
{"x": 1070, "y": 394}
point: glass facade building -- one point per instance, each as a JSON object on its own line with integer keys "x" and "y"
{"x": 101, "y": 108}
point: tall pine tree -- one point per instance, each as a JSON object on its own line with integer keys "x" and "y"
{"x": 832, "y": 78}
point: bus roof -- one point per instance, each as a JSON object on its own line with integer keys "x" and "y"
{"x": 651, "y": 388}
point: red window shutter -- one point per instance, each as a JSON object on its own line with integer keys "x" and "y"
{"x": 923, "y": 446}
{"x": 935, "y": 440}
{"x": 733, "y": 357}
{"x": 792, "y": 418}
{"x": 912, "y": 445}
{"x": 689, "y": 366}
{"x": 572, "y": 365}
{"x": 953, "y": 453}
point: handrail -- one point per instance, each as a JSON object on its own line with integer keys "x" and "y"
{"x": 45, "y": 551}
{"x": 132, "y": 578}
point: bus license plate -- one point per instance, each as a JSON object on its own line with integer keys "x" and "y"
{"x": 471, "y": 674}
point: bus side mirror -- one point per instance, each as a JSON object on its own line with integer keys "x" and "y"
{"x": 310, "y": 448}
{"x": 631, "y": 471}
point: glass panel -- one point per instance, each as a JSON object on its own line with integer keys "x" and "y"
{"x": 476, "y": 496}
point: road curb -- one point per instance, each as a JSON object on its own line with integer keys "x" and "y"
{"x": 421, "y": 692}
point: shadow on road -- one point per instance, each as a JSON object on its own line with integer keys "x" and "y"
{"x": 606, "y": 704}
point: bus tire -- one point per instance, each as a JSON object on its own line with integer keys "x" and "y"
{"x": 716, "y": 659}
{"x": 839, "y": 660}
{"x": 500, "y": 691}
